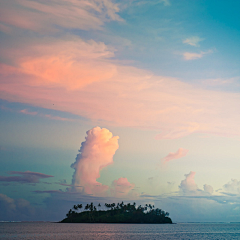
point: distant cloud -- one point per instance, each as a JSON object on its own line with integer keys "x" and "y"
{"x": 121, "y": 187}
{"x": 25, "y": 177}
{"x": 192, "y": 56}
{"x": 193, "y": 41}
{"x": 208, "y": 189}
{"x": 188, "y": 185}
{"x": 15, "y": 209}
{"x": 181, "y": 152}
{"x": 232, "y": 187}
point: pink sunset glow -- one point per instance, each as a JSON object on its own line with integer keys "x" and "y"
{"x": 181, "y": 152}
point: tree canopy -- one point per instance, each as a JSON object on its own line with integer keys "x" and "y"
{"x": 116, "y": 213}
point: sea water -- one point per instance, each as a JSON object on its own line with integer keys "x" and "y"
{"x": 72, "y": 231}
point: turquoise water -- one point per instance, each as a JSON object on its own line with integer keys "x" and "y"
{"x": 178, "y": 231}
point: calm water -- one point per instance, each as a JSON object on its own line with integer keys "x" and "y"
{"x": 178, "y": 231}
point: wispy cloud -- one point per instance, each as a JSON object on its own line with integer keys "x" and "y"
{"x": 220, "y": 81}
{"x": 25, "y": 177}
{"x": 181, "y": 152}
{"x": 150, "y": 2}
{"x": 47, "y": 15}
{"x": 192, "y": 56}
{"x": 193, "y": 41}
{"x": 25, "y": 111}
{"x": 35, "y": 113}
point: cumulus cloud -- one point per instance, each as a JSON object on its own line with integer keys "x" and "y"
{"x": 232, "y": 187}
{"x": 188, "y": 185}
{"x": 208, "y": 189}
{"x": 46, "y": 15}
{"x": 25, "y": 177}
{"x": 181, "y": 152}
{"x": 193, "y": 41}
{"x": 95, "y": 153}
{"x": 15, "y": 209}
{"x": 121, "y": 187}
{"x": 190, "y": 188}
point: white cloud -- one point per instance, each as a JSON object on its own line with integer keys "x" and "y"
{"x": 193, "y": 41}
{"x": 192, "y": 56}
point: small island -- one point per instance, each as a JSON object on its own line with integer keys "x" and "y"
{"x": 117, "y": 213}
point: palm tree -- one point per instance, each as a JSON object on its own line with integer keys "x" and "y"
{"x": 91, "y": 206}
{"x": 80, "y": 206}
{"x": 87, "y": 207}
{"x": 75, "y": 207}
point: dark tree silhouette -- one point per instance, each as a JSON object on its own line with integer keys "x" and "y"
{"x": 118, "y": 213}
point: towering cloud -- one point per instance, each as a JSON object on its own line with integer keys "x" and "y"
{"x": 181, "y": 152}
{"x": 95, "y": 153}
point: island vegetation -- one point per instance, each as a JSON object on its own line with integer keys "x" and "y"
{"x": 116, "y": 213}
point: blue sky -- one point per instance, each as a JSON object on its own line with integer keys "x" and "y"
{"x": 146, "y": 92}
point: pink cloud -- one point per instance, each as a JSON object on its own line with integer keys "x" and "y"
{"x": 80, "y": 78}
{"x": 46, "y": 15}
{"x": 65, "y": 64}
{"x": 181, "y": 152}
{"x": 95, "y": 154}
{"x": 121, "y": 187}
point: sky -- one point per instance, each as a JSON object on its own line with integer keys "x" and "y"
{"x": 106, "y": 101}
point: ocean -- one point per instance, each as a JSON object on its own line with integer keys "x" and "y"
{"x": 57, "y": 231}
